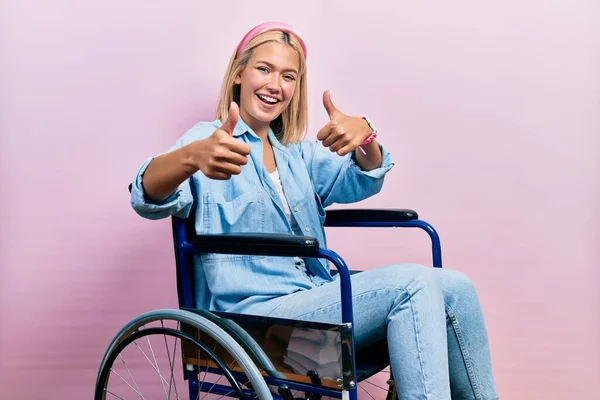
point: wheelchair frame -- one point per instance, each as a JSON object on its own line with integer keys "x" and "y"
{"x": 187, "y": 243}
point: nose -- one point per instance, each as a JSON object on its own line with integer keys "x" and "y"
{"x": 273, "y": 84}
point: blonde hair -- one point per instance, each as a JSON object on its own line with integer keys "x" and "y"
{"x": 290, "y": 126}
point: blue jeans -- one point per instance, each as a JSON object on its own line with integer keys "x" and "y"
{"x": 432, "y": 320}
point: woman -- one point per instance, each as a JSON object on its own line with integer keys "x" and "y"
{"x": 253, "y": 172}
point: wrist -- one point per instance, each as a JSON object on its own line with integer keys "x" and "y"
{"x": 187, "y": 159}
{"x": 372, "y": 136}
{"x": 370, "y": 139}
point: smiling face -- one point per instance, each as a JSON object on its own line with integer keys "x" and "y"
{"x": 268, "y": 83}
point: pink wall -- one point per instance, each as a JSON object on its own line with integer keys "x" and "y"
{"x": 491, "y": 111}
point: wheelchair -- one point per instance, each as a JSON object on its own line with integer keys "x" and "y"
{"x": 222, "y": 354}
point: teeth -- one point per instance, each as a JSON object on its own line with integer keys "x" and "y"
{"x": 268, "y": 99}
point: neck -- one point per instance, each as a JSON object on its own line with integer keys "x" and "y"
{"x": 260, "y": 128}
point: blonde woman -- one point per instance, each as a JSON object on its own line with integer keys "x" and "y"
{"x": 253, "y": 171}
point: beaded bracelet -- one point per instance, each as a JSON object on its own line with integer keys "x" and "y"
{"x": 371, "y": 137}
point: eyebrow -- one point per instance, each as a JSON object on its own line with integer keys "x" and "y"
{"x": 273, "y": 67}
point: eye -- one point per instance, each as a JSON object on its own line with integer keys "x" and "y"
{"x": 290, "y": 78}
{"x": 262, "y": 69}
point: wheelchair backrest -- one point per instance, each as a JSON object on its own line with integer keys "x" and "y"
{"x": 184, "y": 230}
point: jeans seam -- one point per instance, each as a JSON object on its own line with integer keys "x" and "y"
{"x": 465, "y": 352}
{"x": 417, "y": 333}
{"x": 358, "y": 296}
{"x": 280, "y": 304}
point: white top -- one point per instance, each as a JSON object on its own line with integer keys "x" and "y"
{"x": 288, "y": 213}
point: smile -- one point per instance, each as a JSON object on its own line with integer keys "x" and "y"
{"x": 267, "y": 99}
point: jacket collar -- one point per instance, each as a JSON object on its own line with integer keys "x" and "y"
{"x": 242, "y": 128}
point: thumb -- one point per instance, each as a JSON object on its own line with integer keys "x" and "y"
{"x": 329, "y": 107}
{"x": 232, "y": 118}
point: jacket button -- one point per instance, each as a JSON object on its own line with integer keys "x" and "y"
{"x": 307, "y": 229}
{"x": 296, "y": 209}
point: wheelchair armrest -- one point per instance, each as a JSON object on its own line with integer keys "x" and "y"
{"x": 263, "y": 244}
{"x": 368, "y": 217}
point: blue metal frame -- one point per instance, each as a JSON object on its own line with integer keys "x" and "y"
{"x": 184, "y": 249}
{"x": 346, "y": 298}
{"x": 436, "y": 248}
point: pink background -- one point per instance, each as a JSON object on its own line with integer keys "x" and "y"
{"x": 491, "y": 112}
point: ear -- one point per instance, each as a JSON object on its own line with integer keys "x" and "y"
{"x": 238, "y": 79}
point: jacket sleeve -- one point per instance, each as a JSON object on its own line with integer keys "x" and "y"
{"x": 180, "y": 202}
{"x": 340, "y": 179}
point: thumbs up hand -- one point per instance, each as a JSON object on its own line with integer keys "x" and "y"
{"x": 232, "y": 119}
{"x": 221, "y": 155}
{"x": 343, "y": 133}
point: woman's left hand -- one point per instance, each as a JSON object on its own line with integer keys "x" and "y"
{"x": 343, "y": 133}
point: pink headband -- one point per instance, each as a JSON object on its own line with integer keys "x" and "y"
{"x": 270, "y": 26}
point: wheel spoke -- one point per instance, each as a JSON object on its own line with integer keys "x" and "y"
{"x": 108, "y": 391}
{"x": 163, "y": 380}
{"x": 172, "y": 381}
{"x": 127, "y": 383}
{"x": 228, "y": 393}
{"x": 130, "y": 375}
{"x": 217, "y": 381}
{"x": 206, "y": 373}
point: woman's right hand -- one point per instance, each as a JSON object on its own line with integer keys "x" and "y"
{"x": 220, "y": 155}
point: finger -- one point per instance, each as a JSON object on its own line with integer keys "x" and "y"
{"x": 324, "y": 132}
{"x": 336, "y": 135}
{"x": 346, "y": 149}
{"x": 219, "y": 176}
{"x": 329, "y": 107}
{"x": 239, "y": 147}
{"x": 338, "y": 145}
{"x": 232, "y": 157}
{"x": 229, "y": 168}
{"x": 229, "y": 143}
{"x": 232, "y": 118}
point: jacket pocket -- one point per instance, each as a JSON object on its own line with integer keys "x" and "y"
{"x": 242, "y": 214}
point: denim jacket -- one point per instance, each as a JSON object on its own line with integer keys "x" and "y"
{"x": 312, "y": 178}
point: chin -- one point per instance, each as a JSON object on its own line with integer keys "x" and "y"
{"x": 262, "y": 116}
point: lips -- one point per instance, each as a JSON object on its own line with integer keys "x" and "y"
{"x": 267, "y": 100}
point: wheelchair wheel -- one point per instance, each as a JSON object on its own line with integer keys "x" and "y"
{"x": 176, "y": 354}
